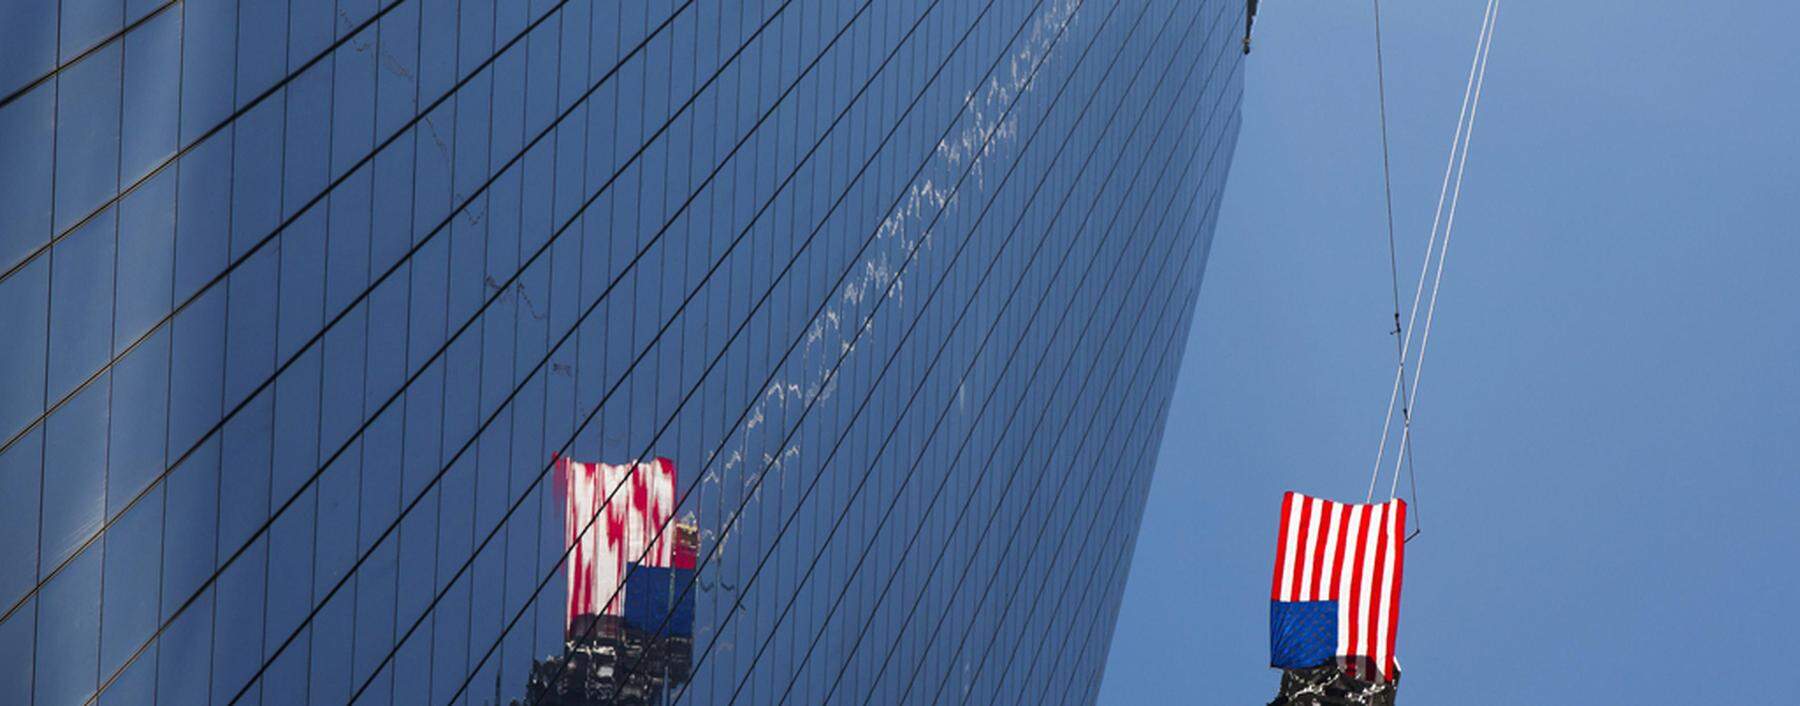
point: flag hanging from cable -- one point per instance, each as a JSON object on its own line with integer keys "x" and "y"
{"x": 1336, "y": 592}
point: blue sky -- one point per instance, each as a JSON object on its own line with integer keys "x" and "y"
{"x": 1608, "y": 431}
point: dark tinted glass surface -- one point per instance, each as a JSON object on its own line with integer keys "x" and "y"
{"x": 306, "y": 300}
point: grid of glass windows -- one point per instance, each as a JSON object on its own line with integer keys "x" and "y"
{"x": 307, "y": 302}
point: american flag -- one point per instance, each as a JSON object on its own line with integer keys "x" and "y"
{"x": 1336, "y": 590}
{"x": 604, "y": 537}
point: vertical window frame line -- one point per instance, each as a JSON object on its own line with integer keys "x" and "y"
{"x": 37, "y": 615}
{"x": 112, "y": 334}
{"x": 721, "y": 204}
{"x": 262, "y": 632}
{"x": 553, "y": 133}
{"x": 475, "y": 439}
{"x": 436, "y": 494}
{"x": 362, "y": 458}
{"x": 162, "y": 545}
{"x": 218, "y": 508}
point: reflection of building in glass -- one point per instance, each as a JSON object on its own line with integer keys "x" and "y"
{"x": 630, "y": 620}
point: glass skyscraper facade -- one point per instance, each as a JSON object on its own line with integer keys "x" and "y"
{"x": 325, "y": 319}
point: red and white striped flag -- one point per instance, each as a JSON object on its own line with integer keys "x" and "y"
{"x": 1341, "y": 564}
{"x": 603, "y": 537}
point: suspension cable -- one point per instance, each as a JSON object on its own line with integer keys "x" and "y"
{"x": 1450, "y": 221}
{"x": 1387, "y": 188}
{"x": 1464, "y": 121}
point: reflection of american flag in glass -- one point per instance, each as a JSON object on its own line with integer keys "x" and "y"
{"x": 617, "y": 532}
{"x": 1336, "y": 591}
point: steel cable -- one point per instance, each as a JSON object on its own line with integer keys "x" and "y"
{"x": 1444, "y": 250}
{"x": 1430, "y": 246}
{"x": 1387, "y": 189}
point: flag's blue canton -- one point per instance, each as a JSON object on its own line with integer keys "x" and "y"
{"x": 650, "y": 600}
{"x": 1302, "y": 634}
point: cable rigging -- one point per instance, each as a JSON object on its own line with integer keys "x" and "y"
{"x": 1403, "y": 393}
{"x": 1339, "y": 565}
{"x": 1462, "y": 162}
{"x": 1387, "y": 188}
